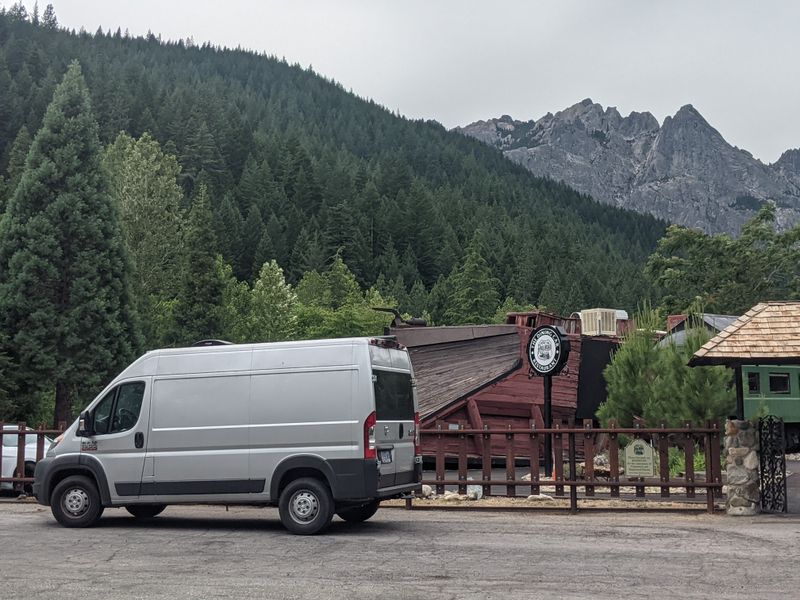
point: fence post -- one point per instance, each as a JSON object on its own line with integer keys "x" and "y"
{"x": 588, "y": 456}
{"x": 573, "y": 488}
{"x": 2, "y": 428}
{"x": 534, "y": 459}
{"x": 663, "y": 459}
{"x": 613, "y": 458}
{"x": 709, "y": 471}
{"x": 511, "y": 474}
{"x": 688, "y": 458}
{"x": 462, "y": 458}
{"x": 558, "y": 463}
{"x": 637, "y": 423}
{"x": 487, "y": 460}
{"x": 439, "y": 459}
{"x": 21, "y": 427}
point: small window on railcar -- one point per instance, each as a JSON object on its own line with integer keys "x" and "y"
{"x": 779, "y": 383}
{"x": 754, "y": 383}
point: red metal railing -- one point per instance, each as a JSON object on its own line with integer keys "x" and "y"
{"x": 663, "y": 437}
{"x": 18, "y": 478}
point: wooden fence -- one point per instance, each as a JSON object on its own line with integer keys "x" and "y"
{"x": 21, "y": 432}
{"x": 691, "y": 485}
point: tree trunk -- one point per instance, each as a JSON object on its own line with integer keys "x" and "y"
{"x": 63, "y": 404}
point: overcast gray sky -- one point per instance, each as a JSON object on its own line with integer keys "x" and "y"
{"x": 459, "y": 61}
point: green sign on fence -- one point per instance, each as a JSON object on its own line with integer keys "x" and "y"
{"x": 639, "y": 459}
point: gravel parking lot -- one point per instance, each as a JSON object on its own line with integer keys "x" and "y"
{"x": 208, "y": 552}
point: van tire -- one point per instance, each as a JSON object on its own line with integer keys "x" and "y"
{"x": 145, "y": 511}
{"x": 359, "y": 514}
{"x": 75, "y": 502}
{"x": 306, "y": 506}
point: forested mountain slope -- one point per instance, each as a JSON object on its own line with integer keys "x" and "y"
{"x": 297, "y": 169}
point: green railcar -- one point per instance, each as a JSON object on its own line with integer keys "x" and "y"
{"x": 774, "y": 390}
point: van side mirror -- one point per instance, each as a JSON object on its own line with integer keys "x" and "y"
{"x": 85, "y": 425}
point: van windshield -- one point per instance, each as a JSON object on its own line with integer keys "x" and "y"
{"x": 394, "y": 397}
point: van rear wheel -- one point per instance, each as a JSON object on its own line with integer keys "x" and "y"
{"x": 75, "y": 502}
{"x": 145, "y": 511}
{"x": 359, "y": 514}
{"x": 306, "y": 506}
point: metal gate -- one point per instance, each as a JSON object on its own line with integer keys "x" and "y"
{"x": 772, "y": 442}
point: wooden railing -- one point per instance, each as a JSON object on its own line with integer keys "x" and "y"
{"x": 686, "y": 438}
{"x": 18, "y": 476}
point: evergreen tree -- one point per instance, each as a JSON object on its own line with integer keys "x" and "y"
{"x": 473, "y": 297}
{"x": 252, "y": 232}
{"x": 64, "y": 292}
{"x": 17, "y": 156}
{"x": 198, "y": 314}
{"x": 143, "y": 182}
{"x": 49, "y": 19}
{"x": 236, "y": 305}
{"x": 272, "y": 317}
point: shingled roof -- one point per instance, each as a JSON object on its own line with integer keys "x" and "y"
{"x": 769, "y": 333}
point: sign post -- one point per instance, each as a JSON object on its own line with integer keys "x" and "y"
{"x": 548, "y": 350}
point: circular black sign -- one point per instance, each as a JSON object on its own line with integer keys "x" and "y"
{"x": 548, "y": 350}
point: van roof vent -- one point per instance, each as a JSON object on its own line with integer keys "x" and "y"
{"x": 211, "y": 343}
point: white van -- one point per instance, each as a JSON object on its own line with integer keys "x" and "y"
{"x": 316, "y": 428}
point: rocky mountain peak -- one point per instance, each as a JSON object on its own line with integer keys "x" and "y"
{"x": 683, "y": 170}
{"x": 789, "y": 162}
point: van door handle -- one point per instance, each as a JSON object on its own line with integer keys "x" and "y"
{"x": 401, "y": 431}
{"x": 138, "y": 439}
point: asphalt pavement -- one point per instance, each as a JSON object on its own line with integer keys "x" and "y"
{"x": 208, "y": 552}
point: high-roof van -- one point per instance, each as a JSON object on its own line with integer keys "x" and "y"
{"x": 316, "y": 428}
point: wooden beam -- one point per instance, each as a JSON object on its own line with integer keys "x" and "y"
{"x": 474, "y": 414}
{"x": 739, "y": 392}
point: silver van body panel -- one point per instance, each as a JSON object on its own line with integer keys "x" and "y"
{"x": 218, "y": 421}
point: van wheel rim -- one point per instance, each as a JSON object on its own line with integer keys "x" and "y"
{"x": 76, "y": 502}
{"x": 304, "y": 506}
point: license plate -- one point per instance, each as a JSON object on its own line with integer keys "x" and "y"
{"x": 385, "y": 456}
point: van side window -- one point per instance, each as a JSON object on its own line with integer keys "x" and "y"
{"x": 129, "y": 404}
{"x": 119, "y": 409}
{"x": 102, "y": 413}
{"x": 394, "y": 396}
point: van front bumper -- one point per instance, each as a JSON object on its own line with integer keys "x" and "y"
{"x": 40, "y": 476}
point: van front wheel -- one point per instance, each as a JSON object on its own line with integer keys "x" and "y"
{"x": 359, "y": 514}
{"x": 306, "y": 506}
{"x": 75, "y": 502}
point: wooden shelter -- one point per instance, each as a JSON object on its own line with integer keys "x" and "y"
{"x": 767, "y": 334}
{"x": 479, "y": 375}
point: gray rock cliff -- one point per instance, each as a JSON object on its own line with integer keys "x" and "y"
{"x": 682, "y": 170}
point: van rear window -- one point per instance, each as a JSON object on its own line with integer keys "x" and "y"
{"x": 394, "y": 397}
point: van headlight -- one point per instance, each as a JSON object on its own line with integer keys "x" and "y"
{"x": 55, "y": 442}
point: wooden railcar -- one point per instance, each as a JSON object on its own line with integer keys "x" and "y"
{"x": 479, "y": 375}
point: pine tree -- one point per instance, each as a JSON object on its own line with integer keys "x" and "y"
{"x": 49, "y": 19}
{"x": 143, "y": 182}
{"x": 272, "y": 317}
{"x": 474, "y": 296}
{"x": 17, "y": 156}
{"x": 252, "y": 233}
{"x": 64, "y": 275}
{"x": 200, "y": 296}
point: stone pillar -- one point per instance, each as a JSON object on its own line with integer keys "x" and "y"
{"x": 741, "y": 466}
